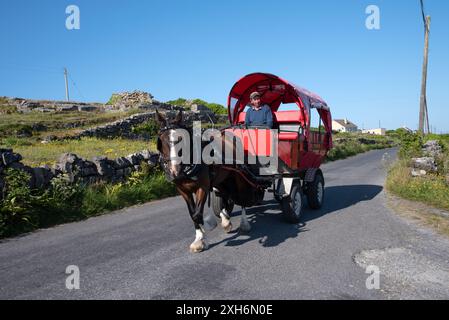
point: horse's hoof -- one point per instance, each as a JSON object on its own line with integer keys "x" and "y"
{"x": 198, "y": 246}
{"x": 228, "y": 228}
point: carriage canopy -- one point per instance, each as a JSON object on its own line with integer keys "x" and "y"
{"x": 275, "y": 91}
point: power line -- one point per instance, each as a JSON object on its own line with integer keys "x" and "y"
{"x": 423, "y": 14}
{"x": 76, "y": 87}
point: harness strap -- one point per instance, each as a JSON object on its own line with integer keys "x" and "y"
{"x": 243, "y": 176}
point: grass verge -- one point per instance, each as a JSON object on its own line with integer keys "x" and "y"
{"x": 420, "y": 213}
{"x": 25, "y": 210}
{"x": 420, "y": 198}
{"x": 430, "y": 189}
{"x": 351, "y": 144}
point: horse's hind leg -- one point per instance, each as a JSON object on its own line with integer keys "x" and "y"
{"x": 225, "y": 220}
{"x": 244, "y": 224}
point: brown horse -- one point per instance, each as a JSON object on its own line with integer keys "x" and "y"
{"x": 195, "y": 182}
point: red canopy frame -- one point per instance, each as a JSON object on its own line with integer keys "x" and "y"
{"x": 275, "y": 91}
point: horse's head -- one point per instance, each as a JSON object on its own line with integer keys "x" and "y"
{"x": 166, "y": 143}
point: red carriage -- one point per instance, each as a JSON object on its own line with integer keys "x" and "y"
{"x": 300, "y": 149}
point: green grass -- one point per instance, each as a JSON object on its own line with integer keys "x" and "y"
{"x": 350, "y": 144}
{"x": 7, "y": 109}
{"x": 37, "y": 154}
{"x": 431, "y": 189}
{"x": 107, "y": 197}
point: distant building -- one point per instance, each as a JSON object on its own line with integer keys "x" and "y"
{"x": 378, "y": 132}
{"x": 407, "y": 129}
{"x": 344, "y": 125}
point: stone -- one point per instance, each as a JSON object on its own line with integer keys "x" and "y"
{"x": 45, "y": 110}
{"x": 200, "y": 108}
{"x": 42, "y": 177}
{"x": 67, "y": 108}
{"x": 38, "y": 127}
{"x": 88, "y": 170}
{"x": 24, "y": 133}
{"x": 105, "y": 167}
{"x": 146, "y": 154}
{"x": 425, "y": 163}
{"x": 8, "y": 156}
{"x": 66, "y": 162}
{"x": 49, "y": 139}
{"x": 127, "y": 171}
{"x": 418, "y": 173}
{"x": 87, "y": 108}
{"x": 153, "y": 160}
{"x": 432, "y": 148}
{"x": 134, "y": 159}
{"x": 122, "y": 162}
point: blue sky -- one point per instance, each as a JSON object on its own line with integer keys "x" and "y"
{"x": 199, "y": 48}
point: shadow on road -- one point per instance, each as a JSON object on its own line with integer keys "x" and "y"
{"x": 341, "y": 197}
{"x": 270, "y": 229}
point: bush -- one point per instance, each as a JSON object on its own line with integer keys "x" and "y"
{"x": 184, "y": 103}
{"x": 113, "y": 99}
{"x": 180, "y": 102}
{"x": 15, "y": 130}
{"x": 16, "y": 206}
{"x": 150, "y": 127}
{"x": 411, "y": 145}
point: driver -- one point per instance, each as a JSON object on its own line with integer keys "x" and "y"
{"x": 258, "y": 114}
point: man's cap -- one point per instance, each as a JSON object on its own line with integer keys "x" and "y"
{"x": 254, "y": 95}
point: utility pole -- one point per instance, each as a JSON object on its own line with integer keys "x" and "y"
{"x": 423, "y": 114}
{"x": 67, "y": 98}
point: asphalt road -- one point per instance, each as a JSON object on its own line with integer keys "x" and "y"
{"x": 142, "y": 252}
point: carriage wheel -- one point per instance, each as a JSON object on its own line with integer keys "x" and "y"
{"x": 315, "y": 192}
{"x": 292, "y": 205}
{"x": 218, "y": 204}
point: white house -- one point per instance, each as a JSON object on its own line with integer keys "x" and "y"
{"x": 344, "y": 125}
{"x": 378, "y": 132}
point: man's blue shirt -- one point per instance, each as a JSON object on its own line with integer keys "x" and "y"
{"x": 261, "y": 117}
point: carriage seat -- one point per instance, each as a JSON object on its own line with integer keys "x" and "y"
{"x": 288, "y": 123}
{"x": 280, "y": 117}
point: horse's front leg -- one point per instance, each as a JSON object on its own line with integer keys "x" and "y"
{"x": 199, "y": 244}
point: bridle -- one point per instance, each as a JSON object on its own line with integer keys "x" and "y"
{"x": 187, "y": 170}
